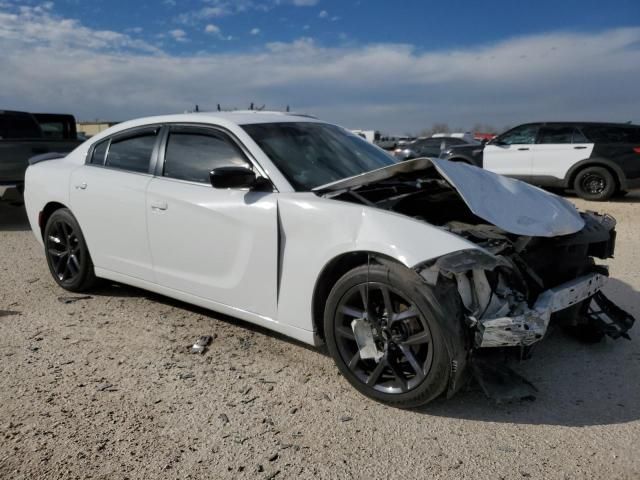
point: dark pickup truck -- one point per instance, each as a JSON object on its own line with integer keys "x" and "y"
{"x": 24, "y": 135}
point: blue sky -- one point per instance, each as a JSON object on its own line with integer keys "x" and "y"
{"x": 397, "y": 66}
{"x": 425, "y": 24}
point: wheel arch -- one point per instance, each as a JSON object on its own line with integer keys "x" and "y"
{"x": 46, "y": 213}
{"x": 331, "y": 273}
{"x": 615, "y": 170}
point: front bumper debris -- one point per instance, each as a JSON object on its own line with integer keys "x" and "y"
{"x": 611, "y": 319}
{"x": 530, "y": 324}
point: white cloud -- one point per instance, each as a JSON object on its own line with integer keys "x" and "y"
{"x": 211, "y": 28}
{"x": 304, "y": 3}
{"x": 255, "y": 31}
{"x": 323, "y": 14}
{"x": 179, "y": 35}
{"x": 397, "y": 88}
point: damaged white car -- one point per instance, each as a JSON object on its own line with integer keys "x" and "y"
{"x": 405, "y": 270}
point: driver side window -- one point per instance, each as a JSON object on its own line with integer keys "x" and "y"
{"x": 192, "y": 153}
{"x": 523, "y": 135}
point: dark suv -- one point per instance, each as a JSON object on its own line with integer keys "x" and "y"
{"x": 597, "y": 160}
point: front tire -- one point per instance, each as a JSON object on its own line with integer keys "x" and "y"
{"x": 595, "y": 183}
{"x": 413, "y": 365}
{"x": 67, "y": 255}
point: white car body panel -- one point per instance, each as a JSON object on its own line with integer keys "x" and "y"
{"x": 110, "y": 206}
{"x": 514, "y": 159}
{"x": 318, "y": 230}
{"x": 220, "y": 245}
{"x": 555, "y": 159}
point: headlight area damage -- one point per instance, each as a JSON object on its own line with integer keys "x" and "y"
{"x": 533, "y": 265}
{"x": 515, "y": 286}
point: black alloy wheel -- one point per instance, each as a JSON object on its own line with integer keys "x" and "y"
{"x": 405, "y": 361}
{"x": 66, "y": 251}
{"x": 401, "y": 335}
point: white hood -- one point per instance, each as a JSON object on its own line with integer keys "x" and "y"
{"x": 512, "y": 205}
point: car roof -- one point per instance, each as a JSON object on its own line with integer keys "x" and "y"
{"x": 239, "y": 117}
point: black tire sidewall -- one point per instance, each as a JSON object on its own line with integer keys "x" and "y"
{"x": 610, "y": 186}
{"x": 86, "y": 278}
{"x": 437, "y": 378}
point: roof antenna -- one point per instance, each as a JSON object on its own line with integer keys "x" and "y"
{"x": 197, "y": 108}
{"x": 219, "y": 109}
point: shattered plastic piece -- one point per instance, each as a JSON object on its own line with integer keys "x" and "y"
{"x": 364, "y": 338}
{"x": 67, "y": 300}
{"x": 201, "y": 344}
{"x": 501, "y": 383}
{"x": 611, "y": 319}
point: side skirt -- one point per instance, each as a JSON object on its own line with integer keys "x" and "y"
{"x": 305, "y": 336}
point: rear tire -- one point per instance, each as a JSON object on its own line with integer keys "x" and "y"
{"x": 595, "y": 183}
{"x": 415, "y": 365}
{"x": 67, "y": 255}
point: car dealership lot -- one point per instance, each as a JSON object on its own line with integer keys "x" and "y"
{"x": 105, "y": 387}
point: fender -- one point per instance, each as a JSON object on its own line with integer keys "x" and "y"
{"x": 596, "y": 162}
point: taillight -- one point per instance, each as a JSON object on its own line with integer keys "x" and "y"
{"x": 637, "y": 149}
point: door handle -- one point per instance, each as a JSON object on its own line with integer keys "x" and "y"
{"x": 523, "y": 148}
{"x": 82, "y": 186}
{"x": 579, "y": 148}
{"x": 159, "y": 206}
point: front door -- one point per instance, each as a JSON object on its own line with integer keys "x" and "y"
{"x": 511, "y": 153}
{"x": 217, "y": 244}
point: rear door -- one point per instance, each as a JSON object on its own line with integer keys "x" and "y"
{"x": 108, "y": 198}
{"x": 557, "y": 149}
{"x": 511, "y": 153}
{"x": 217, "y": 244}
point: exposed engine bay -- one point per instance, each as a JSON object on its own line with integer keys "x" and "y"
{"x": 516, "y": 284}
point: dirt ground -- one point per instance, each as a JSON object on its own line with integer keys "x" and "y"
{"x": 104, "y": 388}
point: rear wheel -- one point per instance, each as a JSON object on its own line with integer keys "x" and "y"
{"x": 67, "y": 254}
{"x": 595, "y": 183}
{"x": 399, "y": 356}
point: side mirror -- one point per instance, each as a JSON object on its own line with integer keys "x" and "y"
{"x": 232, "y": 177}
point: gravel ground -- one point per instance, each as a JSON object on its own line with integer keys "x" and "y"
{"x": 104, "y": 388}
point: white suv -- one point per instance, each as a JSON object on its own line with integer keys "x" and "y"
{"x": 597, "y": 160}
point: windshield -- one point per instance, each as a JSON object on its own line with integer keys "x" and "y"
{"x": 313, "y": 154}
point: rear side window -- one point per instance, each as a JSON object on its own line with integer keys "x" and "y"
{"x": 131, "y": 153}
{"x": 612, "y": 134}
{"x": 191, "y": 155}
{"x": 97, "y": 158}
{"x": 561, "y": 135}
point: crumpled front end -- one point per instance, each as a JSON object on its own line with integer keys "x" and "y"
{"x": 515, "y": 286}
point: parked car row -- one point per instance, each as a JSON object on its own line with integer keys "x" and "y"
{"x": 407, "y": 271}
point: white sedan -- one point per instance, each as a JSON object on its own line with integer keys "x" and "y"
{"x": 405, "y": 270}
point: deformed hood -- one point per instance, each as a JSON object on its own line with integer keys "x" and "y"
{"x": 509, "y": 204}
